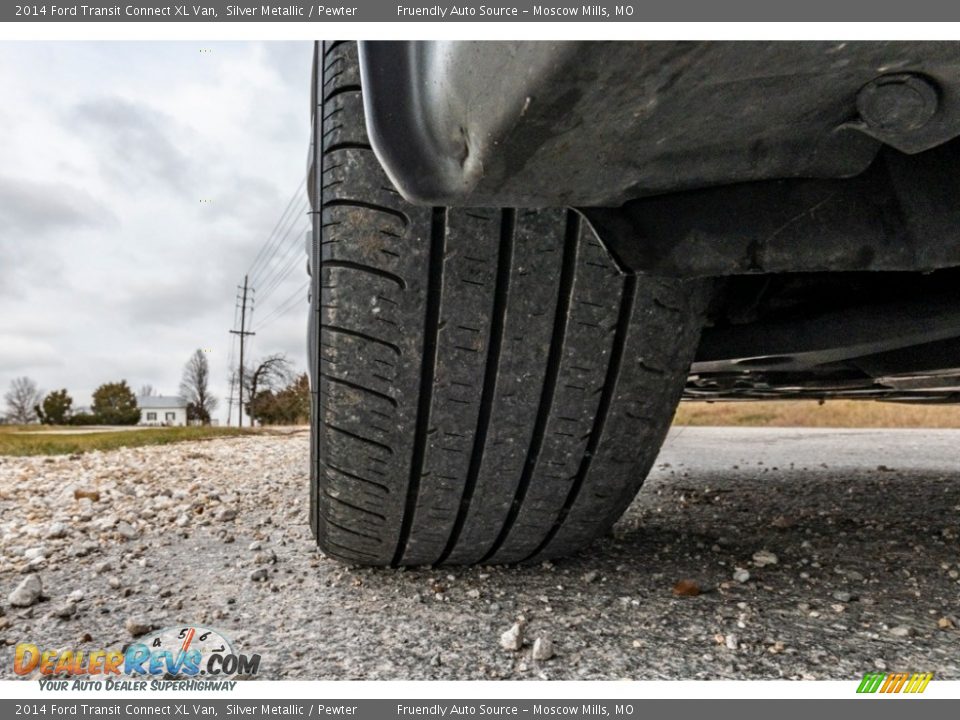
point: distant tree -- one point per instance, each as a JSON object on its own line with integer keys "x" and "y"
{"x": 22, "y": 399}
{"x": 83, "y": 418}
{"x": 271, "y": 373}
{"x": 115, "y": 404}
{"x": 147, "y": 390}
{"x": 289, "y": 405}
{"x": 295, "y": 399}
{"x": 56, "y": 408}
{"x": 195, "y": 388}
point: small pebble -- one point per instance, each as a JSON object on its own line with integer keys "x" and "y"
{"x": 512, "y": 639}
{"x": 763, "y": 558}
{"x": 138, "y": 626}
{"x": 27, "y": 593}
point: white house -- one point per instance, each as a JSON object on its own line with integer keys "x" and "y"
{"x": 162, "y": 410}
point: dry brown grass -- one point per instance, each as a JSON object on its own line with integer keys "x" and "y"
{"x": 805, "y": 413}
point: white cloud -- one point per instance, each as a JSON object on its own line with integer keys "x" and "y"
{"x": 139, "y": 181}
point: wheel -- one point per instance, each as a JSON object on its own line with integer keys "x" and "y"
{"x": 490, "y": 387}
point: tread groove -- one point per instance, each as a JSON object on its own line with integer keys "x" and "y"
{"x": 624, "y": 316}
{"x": 342, "y": 202}
{"x": 369, "y": 269}
{"x": 351, "y": 531}
{"x": 359, "y": 509}
{"x": 438, "y": 228}
{"x": 359, "y": 438}
{"x": 494, "y": 346}
{"x": 555, "y": 355}
{"x": 357, "y": 386}
{"x": 340, "y": 90}
{"x": 346, "y": 145}
{"x": 363, "y": 336}
{"x": 381, "y": 486}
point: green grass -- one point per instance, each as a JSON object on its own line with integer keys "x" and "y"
{"x": 14, "y": 441}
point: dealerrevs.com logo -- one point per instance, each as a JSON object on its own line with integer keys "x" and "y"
{"x": 190, "y": 657}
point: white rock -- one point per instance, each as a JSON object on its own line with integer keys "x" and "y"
{"x": 65, "y": 610}
{"x": 56, "y": 530}
{"x": 126, "y": 530}
{"x": 34, "y": 553}
{"x": 762, "y": 558}
{"x": 542, "y": 648}
{"x": 27, "y": 593}
{"x": 741, "y": 575}
{"x": 512, "y": 639}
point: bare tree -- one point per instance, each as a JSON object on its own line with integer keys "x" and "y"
{"x": 194, "y": 388}
{"x": 270, "y": 374}
{"x": 22, "y": 400}
{"x": 146, "y": 390}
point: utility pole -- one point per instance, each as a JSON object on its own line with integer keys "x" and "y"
{"x": 242, "y": 332}
{"x": 233, "y": 385}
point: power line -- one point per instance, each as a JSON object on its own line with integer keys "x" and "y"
{"x": 279, "y": 245}
{"x": 285, "y": 306}
{"x": 294, "y": 261}
{"x": 279, "y": 260}
{"x": 271, "y": 266}
{"x": 264, "y": 248}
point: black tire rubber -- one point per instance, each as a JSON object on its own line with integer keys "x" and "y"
{"x": 491, "y": 387}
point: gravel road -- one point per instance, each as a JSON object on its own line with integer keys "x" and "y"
{"x": 750, "y": 553}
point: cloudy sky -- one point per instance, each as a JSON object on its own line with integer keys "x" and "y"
{"x": 138, "y": 182}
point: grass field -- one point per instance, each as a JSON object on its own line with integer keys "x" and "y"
{"x": 833, "y": 413}
{"x": 45, "y": 440}
{"x": 52, "y": 440}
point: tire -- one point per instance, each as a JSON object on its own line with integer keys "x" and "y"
{"x": 491, "y": 388}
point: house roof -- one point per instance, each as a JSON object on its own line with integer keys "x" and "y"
{"x": 161, "y": 402}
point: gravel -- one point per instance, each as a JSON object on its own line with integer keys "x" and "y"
{"x": 216, "y": 534}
